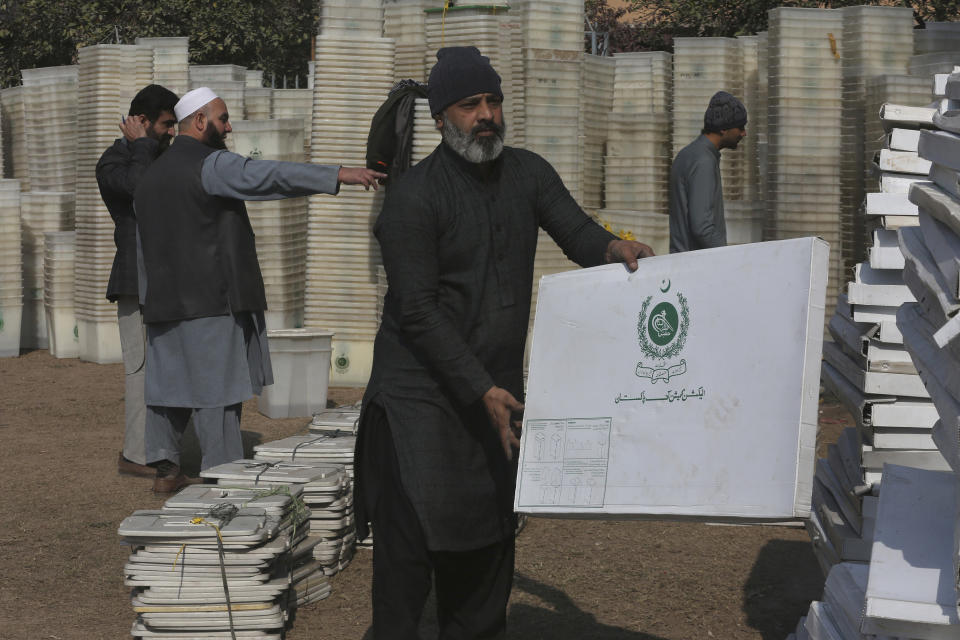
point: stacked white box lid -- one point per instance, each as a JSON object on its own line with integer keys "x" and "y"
{"x": 280, "y": 225}
{"x": 352, "y": 79}
{"x": 228, "y": 81}
{"x": 59, "y": 249}
{"x": 11, "y": 284}
{"x": 876, "y": 41}
{"x": 170, "y": 62}
{"x": 701, "y": 67}
{"x": 325, "y": 489}
{"x": 40, "y": 212}
{"x": 804, "y": 92}
{"x": 490, "y": 29}
{"x": 405, "y": 22}
{"x": 110, "y": 76}
{"x": 295, "y": 103}
{"x": 50, "y": 127}
{"x": 597, "y": 93}
{"x": 426, "y": 136}
{"x": 881, "y": 90}
{"x": 177, "y": 571}
{"x": 14, "y": 136}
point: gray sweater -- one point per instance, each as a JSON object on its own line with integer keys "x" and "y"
{"x": 696, "y": 198}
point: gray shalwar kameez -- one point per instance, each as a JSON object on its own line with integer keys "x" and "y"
{"x": 206, "y": 367}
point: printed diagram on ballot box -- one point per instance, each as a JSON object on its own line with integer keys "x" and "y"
{"x": 565, "y": 462}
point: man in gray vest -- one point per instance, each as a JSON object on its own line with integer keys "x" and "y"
{"x": 202, "y": 291}
{"x": 696, "y": 191}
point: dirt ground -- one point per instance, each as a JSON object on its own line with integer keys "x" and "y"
{"x": 61, "y": 426}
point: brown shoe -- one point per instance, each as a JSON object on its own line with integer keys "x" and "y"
{"x": 169, "y": 478}
{"x": 127, "y": 467}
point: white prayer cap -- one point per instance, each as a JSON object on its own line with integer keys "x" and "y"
{"x": 192, "y": 101}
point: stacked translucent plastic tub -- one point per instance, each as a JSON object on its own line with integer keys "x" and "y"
{"x": 14, "y": 136}
{"x": 404, "y": 22}
{"x": 59, "y": 249}
{"x": 804, "y": 69}
{"x": 876, "y": 41}
{"x": 552, "y": 24}
{"x": 41, "y": 212}
{"x": 280, "y": 225}
{"x": 701, "y": 67}
{"x": 757, "y": 124}
{"x": 426, "y": 136}
{"x": 50, "y": 127}
{"x": 228, "y": 81}
{"x": 597, "y": 101}
{"x": 170, "y": 62}
{"x": 295, "y": 103}
{"x": 11, "y": 287}
{"x": 354, "y": 73}
{"x": 110, "y": 75}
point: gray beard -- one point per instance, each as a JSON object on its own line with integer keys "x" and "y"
{"x": 471, "y": 148}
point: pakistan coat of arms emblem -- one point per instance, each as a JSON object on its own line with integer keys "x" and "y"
{"x": 662, "y": 333}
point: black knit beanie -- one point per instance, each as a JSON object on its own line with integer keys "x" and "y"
{"x": 460, "y": 72}
{"x": 724, "y": 112}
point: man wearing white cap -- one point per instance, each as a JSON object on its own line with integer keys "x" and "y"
{"x": 201, "y": 288}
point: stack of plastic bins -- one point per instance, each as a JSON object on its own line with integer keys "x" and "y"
{"x": 701, "y": 67}
{"x": 40, "y": 212}
{"x": 253, "y": 78}
{"x": 750, "y": 94}
{"x": 597, "y": 102}
{"x": 553, "y": 24}
{"x": 804, "y": 94}
{"x": 280, "y": 225}
{"x": 876, "y": 41}
{"x": 296, "y": 103}
{"x": 50, "y": 127}
{"x": 638, "y": 162}
{"x": 404, "y": 22}
{"x": 354, "y": 73}
{"x": 58, "y": 261}
{"x": 426, "y": 136}
{"x": 110, "y": 75}
{"x": 757, "y": 125}
{"x": 14, "y": 136}
{"x": 879, "y": 90}
{"x": 936, "y": 37}
{"x": 228, "y": 81}
{"x": 11, "y": 287}
{"x": 744, "y": 221}
{"x": 650, "y": 228}
{"x": 484, "y": 27}
{"x": 170, "y": 62}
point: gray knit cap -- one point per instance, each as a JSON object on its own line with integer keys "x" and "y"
{"x": 724, "y": 112}
{"x": 460, "y": 72}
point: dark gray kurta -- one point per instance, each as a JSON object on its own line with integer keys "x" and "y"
{"x": 222, "y": 360}
{"x": 696, "y": 198}
{"x": 458, "y": 247}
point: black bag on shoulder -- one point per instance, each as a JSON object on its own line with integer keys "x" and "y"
{"x": 390, "y": 141}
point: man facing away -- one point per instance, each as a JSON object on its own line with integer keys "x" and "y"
{"x": 147, "y": 131}
{"x": 202, "y": 291}
{"x": 696, "y": 191}
{"x": 435, "y": 458}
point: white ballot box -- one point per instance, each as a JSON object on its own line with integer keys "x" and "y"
{"x": 687, "y": 389}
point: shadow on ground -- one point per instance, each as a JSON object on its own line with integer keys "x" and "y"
{"x": 785, "y": 576}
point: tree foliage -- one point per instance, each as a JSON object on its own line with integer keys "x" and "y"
{"x": 273, "y": 35}
{"x": 652, "y": 24}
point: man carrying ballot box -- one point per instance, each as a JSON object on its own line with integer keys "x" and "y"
{"x": 435, "y": 456}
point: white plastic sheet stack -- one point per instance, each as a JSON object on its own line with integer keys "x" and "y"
{"x": 804, "y": 94}
{"x": 701, "y": 67}
{"x": 11, "y": 283}
{"x": 876, "y": 41}
{"x": 280, "y": 225}
{"x": 405, "y": 22}
{"x": 40, "y": 212}
{"x": 59, "y": 248}
{"x": 326, "y": 491}
{"x": 170, "y": 62}
{"x": 228, "y": 81}
{"x": 50, "y": 127}
{"x": 354, "y": 73}
{"x": 597, "y": 94}
{"x": 177, "y": 573}
{"x": 838, "y": 616}
{"x": 14, "y": 136}
{"x": 110, "y": 76}
{"x": 426, "y": 136}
